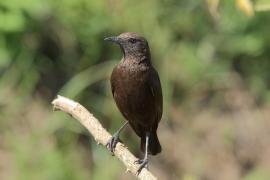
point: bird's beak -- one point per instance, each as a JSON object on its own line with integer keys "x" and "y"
{"x": 114, "y": 39}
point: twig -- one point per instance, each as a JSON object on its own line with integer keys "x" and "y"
{"x": 100, "y": 135}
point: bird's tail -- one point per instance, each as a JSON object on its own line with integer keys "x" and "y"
{"x": 154, "y": 145}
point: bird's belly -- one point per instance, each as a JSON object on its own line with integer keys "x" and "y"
{"x": 135, "y": 101}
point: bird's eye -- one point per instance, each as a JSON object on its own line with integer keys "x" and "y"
{"x": 132, "y": 40}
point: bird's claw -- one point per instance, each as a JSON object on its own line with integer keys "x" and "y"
{"x": 143, "y": 164}
{"x": 111, "y": 144}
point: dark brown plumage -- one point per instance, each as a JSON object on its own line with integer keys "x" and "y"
{"x": 137, "y": 91}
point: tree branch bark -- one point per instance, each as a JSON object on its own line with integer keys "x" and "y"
{"x": 100, "y": 134}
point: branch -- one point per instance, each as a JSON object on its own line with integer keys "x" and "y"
{"x": 100, "y": 135}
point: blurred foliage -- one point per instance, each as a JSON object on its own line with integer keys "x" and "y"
{"x": 211, "y": 55}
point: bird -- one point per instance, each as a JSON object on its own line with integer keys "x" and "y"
{"x": 136, "y": 89}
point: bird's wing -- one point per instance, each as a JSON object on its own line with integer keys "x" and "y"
{"x": 113, "y": 80}
{"x": 156, "y": 91}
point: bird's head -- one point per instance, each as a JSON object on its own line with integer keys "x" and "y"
{"x": 132, "y": 44}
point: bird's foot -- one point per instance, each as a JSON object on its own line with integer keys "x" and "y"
{"x": 111, "y": 144}
{"x": 143, "y": 164}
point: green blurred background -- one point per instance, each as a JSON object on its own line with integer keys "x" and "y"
{"x": 213, "y": 58}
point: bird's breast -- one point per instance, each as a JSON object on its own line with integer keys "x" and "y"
{"x": 131, "y": 80}
{"x": 131, "y": 92}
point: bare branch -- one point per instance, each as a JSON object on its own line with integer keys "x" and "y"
{"x": 100, "y": 134}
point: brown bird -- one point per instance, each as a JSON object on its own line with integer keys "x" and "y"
{"x": 137, "y": 92}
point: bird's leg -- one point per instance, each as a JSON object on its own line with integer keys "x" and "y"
{"x": 144, "y": 162}
{"x": 111, "y": 144}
